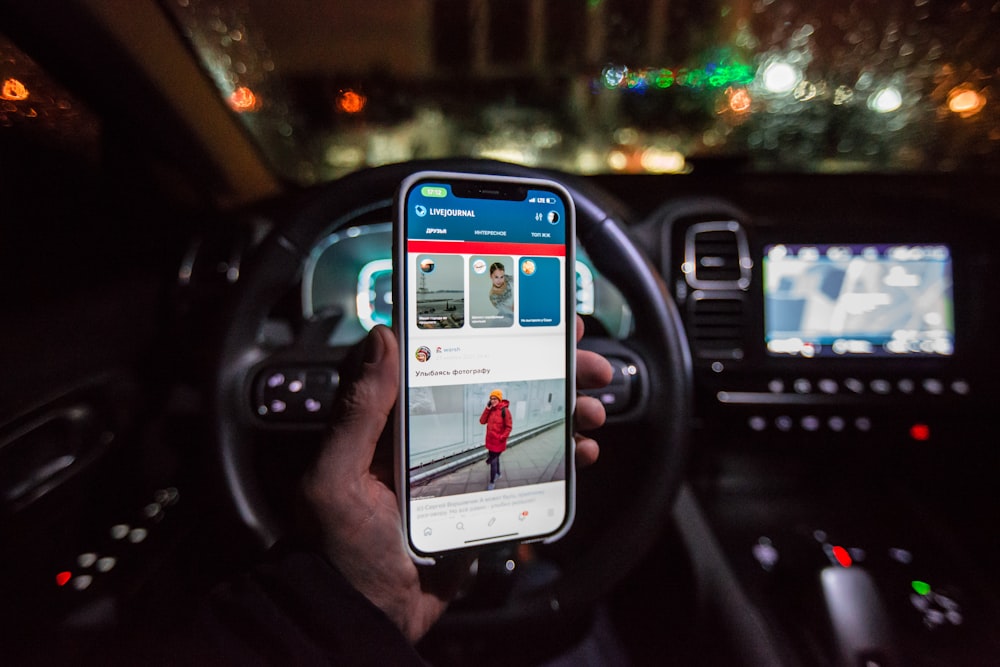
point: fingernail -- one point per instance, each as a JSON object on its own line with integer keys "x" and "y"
{"x": 374, "y": 347}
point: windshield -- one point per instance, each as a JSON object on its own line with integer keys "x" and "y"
{"x": 609, "y": 86}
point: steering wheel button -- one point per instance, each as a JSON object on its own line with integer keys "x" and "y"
{"x": 312, "y": 405}
{"x": 906, "y": 386}
{"x": 106, "y": 564}
{"x": 757, "y": 423}
{"x": 776, "y": 386}
{"x": 295, "y": 386}
{"x": 783, "y": 423}
{"x": 863, "y": 424}
{"x": 86, "y": 559}
{"x": 318, "y": 380}
{"x": 836, "y": 423}
{"x": 802, "y": 386}
{"x": 276, "y": 380}
{"x": 278, "y": 406}
{"x": 810, "y": 423}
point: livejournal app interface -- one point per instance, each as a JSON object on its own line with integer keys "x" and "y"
{"x": 487, "y": 358}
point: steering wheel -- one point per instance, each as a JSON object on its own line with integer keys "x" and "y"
{"x": 645, "y": 447}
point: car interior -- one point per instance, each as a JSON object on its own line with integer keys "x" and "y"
{"x": 784, "y": 249}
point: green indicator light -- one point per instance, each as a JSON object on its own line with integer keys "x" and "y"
{"x": 921, "y": 587}
{"x": 433, "y": 191}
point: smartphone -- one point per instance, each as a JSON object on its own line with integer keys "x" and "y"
{"x": 484, "y": 307}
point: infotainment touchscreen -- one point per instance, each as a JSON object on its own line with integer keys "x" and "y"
{"x": 858, "y": 300}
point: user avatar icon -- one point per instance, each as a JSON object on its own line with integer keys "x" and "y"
{"x": 528, "y": 267}
{"x": 427, "y": 265}
{"x": 423, "y": 353}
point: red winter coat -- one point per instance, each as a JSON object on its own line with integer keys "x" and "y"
{"x": 498, "y": 425}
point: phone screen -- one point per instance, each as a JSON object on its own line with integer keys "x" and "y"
{"x": 486, "y": 269}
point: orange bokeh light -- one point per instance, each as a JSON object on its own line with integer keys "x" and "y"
{"x": 350, "y": 101}
{"x": 740, "y": 100}
{"x": 243, "y": 99}
{"x": 965, "y": 101}
{"x": 13, "y": 90}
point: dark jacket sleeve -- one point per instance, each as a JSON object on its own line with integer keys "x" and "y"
{"x": 296, "y": 608}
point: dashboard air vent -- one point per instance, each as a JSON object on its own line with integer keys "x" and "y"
{"x": 717, "y": 256}
{"x": 716, "y": 325}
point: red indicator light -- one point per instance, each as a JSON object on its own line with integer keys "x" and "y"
{"x": 63, "y": 578}
{"x": 844, "y": 558}
{"x": 920, "y": 432}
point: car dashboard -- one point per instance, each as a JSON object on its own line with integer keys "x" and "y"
{"x": 839, "y": 479}
{"x": 365, "y": 251}
{"x": 838, "y": 499}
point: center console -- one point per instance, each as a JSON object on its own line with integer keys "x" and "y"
{"x": 840, "y": 489}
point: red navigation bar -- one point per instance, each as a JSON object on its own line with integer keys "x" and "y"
{"x": 487, "y": 248}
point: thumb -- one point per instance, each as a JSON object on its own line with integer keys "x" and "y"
{"x": 362, "y": 407}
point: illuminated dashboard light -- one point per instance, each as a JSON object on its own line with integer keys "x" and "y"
{"x": 843, "y": 556}
{"x": 63, "y": 578}
{"x": 367, "y": 294}
{"x": 585, "y": 298}
{"x": 920, "y": 587}
{"x": 920, "y": 432}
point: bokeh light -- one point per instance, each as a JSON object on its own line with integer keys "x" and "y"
{"x": 243, "y": 99}
{"x": 780, "y": 77}
{"x": 965, "y": 101}
{"x": 885, "y": 100}
{"x": 740, "y": 100}
{"x": 351, "y": 102}
{"x": 13, "y": 90}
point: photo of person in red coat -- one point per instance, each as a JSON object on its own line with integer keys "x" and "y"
{"x": 498, "y": 422}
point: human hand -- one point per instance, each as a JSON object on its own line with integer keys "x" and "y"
{"x": 355, "y": 508}
{"x": 592, "y": 372}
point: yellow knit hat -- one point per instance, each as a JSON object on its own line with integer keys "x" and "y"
{"x": 497, "y": 393}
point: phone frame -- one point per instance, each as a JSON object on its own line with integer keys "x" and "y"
{"x": 400, "y": 323}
